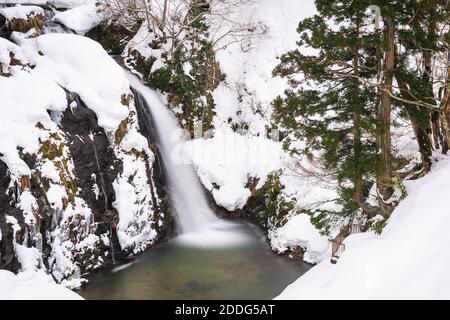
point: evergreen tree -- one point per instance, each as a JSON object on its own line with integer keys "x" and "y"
{"x": 190, "y": 73}
{"x": 326, "y": 106}
{"x": 419, "y": 39}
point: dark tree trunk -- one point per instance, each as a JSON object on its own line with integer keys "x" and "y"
{"x": 445, "y": 113}
{"x": 357, "y": 146}
{"x": 384, "y": 171}
{"x": 421, "y": 134}
{"x": 429, "y": 97}
{"x": 437, "y": 131}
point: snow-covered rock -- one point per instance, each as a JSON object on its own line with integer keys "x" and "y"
{"x": 299, "y": 232}
{"x": 20, "y": 12}
{"x": 80, "y": 19}
{"x": 137, "y": 201}
{"x": 21, "y": 112}
{"x": 80, "y": 65}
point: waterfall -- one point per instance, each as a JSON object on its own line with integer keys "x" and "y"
{"x": 196, "y": 223}
{"x": 187, "y": 194}
{"x": 105, "y": 195}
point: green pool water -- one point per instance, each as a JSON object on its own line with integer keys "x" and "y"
{"x": 247, "y": 269}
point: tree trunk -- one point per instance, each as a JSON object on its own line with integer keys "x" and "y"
{"x": 437, "y": 131}
{"x": 424, "y": 143}
{"x": 357, "y": 146}
{"x": 429, "y": 96}
{"x": 384, "y": 171}
{"x": 422, "y": 137}
{"x": 445, "y": 113}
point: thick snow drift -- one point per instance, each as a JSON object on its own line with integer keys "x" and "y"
{"x": 20, "y": 12}
{"x": 80, "y": 19}
{"x": 80, "y": 65}
{"x": 21, "y": 112}
{"x": 32, "y": 286}
{"x": 409, "y": 260}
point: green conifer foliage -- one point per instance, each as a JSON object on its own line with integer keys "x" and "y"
{"x": 327, "y": 107}
{"x": 187, "y": 76}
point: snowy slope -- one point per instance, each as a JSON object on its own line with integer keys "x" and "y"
{"x": 249, "y": 84}
{"x": 32, "y": 286}
{"x": 247, "y": 93}
{"x": 85, "y": 69}
{"x": 409, "y": 260}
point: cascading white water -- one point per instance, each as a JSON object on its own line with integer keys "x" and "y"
{"x": 197, "y": 223}
{"x": 194, "y": 213}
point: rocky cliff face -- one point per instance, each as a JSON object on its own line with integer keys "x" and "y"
{"x": 81, "y": 181}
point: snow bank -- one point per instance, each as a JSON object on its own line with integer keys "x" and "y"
{"x": 299, "y": 232}
{"x": 32, "y": 286}
{"x": 409, "y": 260}
{"x": 22, "y": 112}
{"x": 80, "y": 65}
{"x": 21, "y": 12}
{"x": 80, "y": 19}
{"x": 227, "y": 161}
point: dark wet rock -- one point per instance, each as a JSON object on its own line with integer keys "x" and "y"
{"x": 95, "y": 163}
{"x": 113, "y": 37}
{"x": 8, "y": 260}
{"x": 4, "y": 32}
{"x": 157, "y": 171}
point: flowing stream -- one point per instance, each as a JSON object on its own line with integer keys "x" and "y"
{"x": 210, "y": 258}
